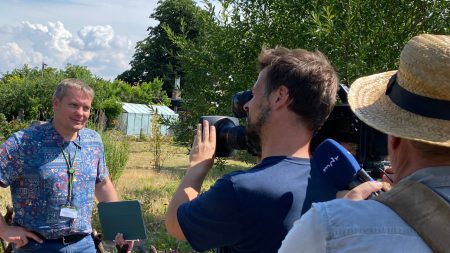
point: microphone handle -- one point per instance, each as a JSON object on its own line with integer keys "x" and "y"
{"x": 363, "y": 176}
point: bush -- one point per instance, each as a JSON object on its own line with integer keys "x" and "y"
{"x": 112, "y": 109}
{"x": 116, "y": 153}
{"x": 9, "y": 127}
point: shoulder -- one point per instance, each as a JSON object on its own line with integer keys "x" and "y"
{"x": 342, "y": 217}
{"x": 351, "y": 226}
{"x": 89, "y": 132}
{"x": 221, "y": 193}
{"x": 90, "y": 135}
{"x": 271, "y": 167}
{"x": 31, "y": 133}
{"x": 341, "y": 210}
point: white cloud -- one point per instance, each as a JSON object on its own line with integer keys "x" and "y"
{"x": 97, "y": 37}
{"x": 97, "y": 47}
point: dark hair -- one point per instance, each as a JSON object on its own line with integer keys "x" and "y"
{"x": 309, "y": 77}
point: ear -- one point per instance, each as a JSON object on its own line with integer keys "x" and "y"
{"x": 55, "y": 103}
{"x": 280, "y": 97}
{"x": 394, "y": 142}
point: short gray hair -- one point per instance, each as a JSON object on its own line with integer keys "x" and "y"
{"x": 430, "y": 150}
{"x": 65, "y": 84}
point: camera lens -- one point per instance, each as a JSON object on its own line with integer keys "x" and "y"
{"x": 230, "y": 136}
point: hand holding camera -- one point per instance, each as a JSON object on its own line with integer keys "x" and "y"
{"x": 204, "y": 145}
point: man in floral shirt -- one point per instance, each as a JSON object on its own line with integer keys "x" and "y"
{"x": 54, "y": 170}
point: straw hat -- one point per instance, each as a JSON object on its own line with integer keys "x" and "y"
{"x": 416, "y": 105}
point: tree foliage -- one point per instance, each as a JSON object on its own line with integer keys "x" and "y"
{"x": 155, "y": 56}
{"x": 359, "y": 37}
{"x": 27, "y": 93}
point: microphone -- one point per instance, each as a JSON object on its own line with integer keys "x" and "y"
{"x": 338, "y": 165}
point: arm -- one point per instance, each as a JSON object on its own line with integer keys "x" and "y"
{"x": 9, "y": 154}
{"x": 15, "y": 234}
{"x": 201, "y": 160}
{"x": 105, "y": 191}
{"x": 364, "y": 190}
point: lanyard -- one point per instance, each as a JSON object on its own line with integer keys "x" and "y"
{"x": 70, "y": 171}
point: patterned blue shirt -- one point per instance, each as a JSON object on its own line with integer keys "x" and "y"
{"x": 33, "y": 165}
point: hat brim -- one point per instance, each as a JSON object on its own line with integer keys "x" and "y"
{"x": 368, "y": 101}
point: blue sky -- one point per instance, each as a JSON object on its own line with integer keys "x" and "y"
{"x": 99, "y": 34}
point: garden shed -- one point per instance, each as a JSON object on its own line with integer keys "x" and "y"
{"x": 138, "y": 118}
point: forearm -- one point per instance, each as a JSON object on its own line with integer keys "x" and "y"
{"x": 191, "y": 184}
{"x": 201, "y": 160}
{"x": 105, "y": 191}
{"x": 188, "y": 190}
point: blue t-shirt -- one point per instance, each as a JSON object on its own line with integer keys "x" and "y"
{"x": 251, "y": 211}
{"x": 33, "y": 165}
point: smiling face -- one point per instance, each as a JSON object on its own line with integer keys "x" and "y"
{"x": 71, "y": 112}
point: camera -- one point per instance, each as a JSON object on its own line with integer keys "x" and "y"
{"x": 230, "y": 135}
{"x": 368, "y": 145}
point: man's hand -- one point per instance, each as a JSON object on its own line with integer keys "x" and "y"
{"x": 204, "y": 145}
{"x": 122, "y": 245}
{"x": 18, "y": 235}
{"x": 364, "y": 190}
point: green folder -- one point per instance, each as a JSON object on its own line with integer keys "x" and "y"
{"x": 122, "y": 217}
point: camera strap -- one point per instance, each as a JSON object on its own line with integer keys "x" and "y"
{"x": 423, "y": 209}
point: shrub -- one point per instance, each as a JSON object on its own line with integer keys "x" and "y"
{"x": 9, "y": 127}
{"x": 116, "y": 153}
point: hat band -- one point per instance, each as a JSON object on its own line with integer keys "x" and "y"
{"x": 424, "y": 106}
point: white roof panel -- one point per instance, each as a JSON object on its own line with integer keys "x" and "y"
{"x": 136, "y": 108}
{"x": 163, "y": 110}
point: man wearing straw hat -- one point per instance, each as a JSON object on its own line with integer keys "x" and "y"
{"x": 412, "y": 106}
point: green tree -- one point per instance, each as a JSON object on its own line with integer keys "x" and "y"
{"x": 155, "y": 56}
{"x": 26, "y": 93}
{"x": 359, "y": 37}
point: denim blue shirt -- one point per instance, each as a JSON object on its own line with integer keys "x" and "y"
{"x": 33, "y": 165}
{"x": 362, "y": 226}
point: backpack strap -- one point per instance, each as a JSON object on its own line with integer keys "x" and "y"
{"x": 424, "y": 210}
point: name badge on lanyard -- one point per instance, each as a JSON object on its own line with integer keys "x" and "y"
{"x": 68, "y": 210}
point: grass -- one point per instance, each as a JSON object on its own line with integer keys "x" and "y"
{"x": 153, "y": 188}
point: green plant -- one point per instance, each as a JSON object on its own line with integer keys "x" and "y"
{"x": 112, "y": 109}
{"x": 116, "y": 153}
{"x": 359, "y": 37}
{"x": 156, "y": 140}
{"x": 26, "y": 93}
{"x": 9, "y": 127}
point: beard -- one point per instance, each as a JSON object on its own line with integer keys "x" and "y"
{"x": 253, "y": 128}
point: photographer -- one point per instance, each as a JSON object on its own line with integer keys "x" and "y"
{"x": 251, "y": 211}
{"x": 411, "y": 105}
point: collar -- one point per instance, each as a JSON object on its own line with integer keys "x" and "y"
{"x": 438, "y": 176}
{"x": 58, "y": 138}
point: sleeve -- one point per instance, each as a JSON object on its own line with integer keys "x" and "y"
{"x": 10, "y": 161}
{"x": 212, "y": 219}
{"x": 307, "y": 235}
{"x": 102, "y": 169}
